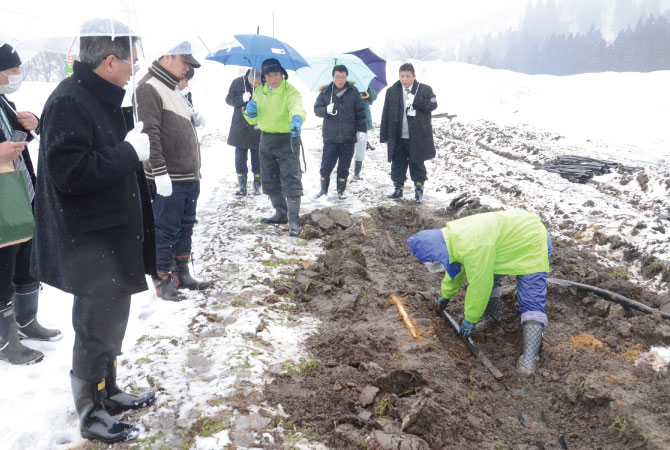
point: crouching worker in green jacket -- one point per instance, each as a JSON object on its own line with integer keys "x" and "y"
{"x": 480, "y": 249}
{"x": 277, "y": 111}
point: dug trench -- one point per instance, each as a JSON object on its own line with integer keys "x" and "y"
{"x": 368, "y": 384}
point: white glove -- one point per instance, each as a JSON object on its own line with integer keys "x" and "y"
{"x": 361, "y": 136}
{"x": 139, "y": 141}
{"x": 163, "y": 185}
{"x": 198, "y": 119}
{"x": 246, "y": 97}
{"x": 330, "y": 107}
{"x": 410, "y": 99}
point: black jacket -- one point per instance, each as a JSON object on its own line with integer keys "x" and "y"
{"x": 17, "y": 126}
{"x": 94, "y": 230}
{"x": 421, "y": 145}
{"x": 350, "y": 118}
{"x": 241, "y": 135}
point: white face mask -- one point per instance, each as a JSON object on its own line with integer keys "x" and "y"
{"x": 13, "y": 86}
{"x": 434, "y": 267}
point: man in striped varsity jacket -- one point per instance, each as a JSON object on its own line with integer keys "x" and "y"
{"x": 173, "y": 169}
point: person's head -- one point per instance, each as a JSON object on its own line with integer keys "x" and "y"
{"x": 10, "y": 70}
{"x": 407, "y": 75}
{"x": 431, "y": 250}
{"x": 272, "y": 72}
{"x": 340, "y": 73}
{"x": 254, "y": 76}
{"x": 109, "y": 58}
{"x": 179, "y": 60}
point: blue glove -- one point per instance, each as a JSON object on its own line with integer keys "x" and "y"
{"x": 296, "y": 123}
{"x": 252, "y": 109}
{"x": 441, "y": 303}
{"x": 466, "y": 328}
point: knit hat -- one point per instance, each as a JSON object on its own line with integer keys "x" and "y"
{"x": 8, "y": 57}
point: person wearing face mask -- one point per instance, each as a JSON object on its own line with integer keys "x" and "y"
{"x": 242, "y": 135}
{"x": 480, "y": 249}
{"x": 278, "y": 112}
{"x": 19, "y": 290}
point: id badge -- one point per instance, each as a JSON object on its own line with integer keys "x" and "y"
{"x": 411, "y": 112}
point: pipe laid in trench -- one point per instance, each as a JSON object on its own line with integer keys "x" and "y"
{"x": 610, "y": 296}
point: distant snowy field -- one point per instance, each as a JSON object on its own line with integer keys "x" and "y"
{"x": 613, "y": 115}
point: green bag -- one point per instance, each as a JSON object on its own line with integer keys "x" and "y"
{"x": 16, "y": 214}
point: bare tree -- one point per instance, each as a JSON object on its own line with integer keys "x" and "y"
{"x": 416, "y": 50}
{"x": 45, "y": 66}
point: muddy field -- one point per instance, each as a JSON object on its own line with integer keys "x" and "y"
{"x": 368, "y": 384}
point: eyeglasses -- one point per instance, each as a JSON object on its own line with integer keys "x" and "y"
{"x": 136, "y": 66}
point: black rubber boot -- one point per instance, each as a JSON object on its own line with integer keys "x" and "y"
{"x": 492, "y": 315}
{"x": 293, "y": 216}
{"x": 116, "y": 401}
{"x": 418, "y": 192}
{"x": 325, "y": 182}
{"x": 532, "y": 343}
{"x": 369, "y": 146}
{"x": 166, "y": 287}
{"x": 184, "y": 278}
{"x": 358, "y": 165}
{"x": 397, "y": 191}
{"x": 25, "y": 310}
{"x": 242, "y": 183}
{"x": 279, "y": 204}
{"x": 11, "y": 348}
{"x": 257, "y": 184}
{"x": 95, "y": 423}
{"x": 341, "y": 187}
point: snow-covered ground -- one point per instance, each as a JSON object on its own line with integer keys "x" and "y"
{"x": 201, "y": 353}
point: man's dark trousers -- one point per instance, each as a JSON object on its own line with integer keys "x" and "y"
{"x": 174, "y": 217}
{"x": 400, "y": 162}
{"x": 241, "y": 161}
{"x": 339, "y": 154}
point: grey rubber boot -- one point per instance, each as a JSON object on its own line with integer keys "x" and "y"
{"x": 11, "y": 348}
{"x": 257, "y": 184}
{"x": 532, "y": 342}
{"x": 279, "y": 204}
{"x": 293, "y": 216}
{"x": 25, "y": 303}
{"x": 325, "y": 182}
{"x": 341, "y": 187}
{"x": 242, "y": 183}
{"x": 418, "y": 192}
{"x": 166, "y": 285}
{"x": 492, "y": 315}
{"x": 117, "y": 401}
{"x": 358, "y": 165}
{"x": 94, "y": 421}
{"x": 397, "y": 191}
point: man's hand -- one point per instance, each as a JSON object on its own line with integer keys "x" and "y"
{"x": 330, "y": 108}
{"x": 246, "y": 97}
{"x": 27, "y": 120}
{"x": 296, "y": 124}
{"x": 163, "y": 185}
{"x": 198, "y": 119}
{"x": 466, "y": 328}
{"x": 139, "y": 141}
{"x": 10, "y": 150}
{"x": 252, "y": 109}
{"x": 441, "y": 303}
{"x": 410, "y": 99}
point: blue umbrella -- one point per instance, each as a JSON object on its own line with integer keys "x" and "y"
{"x": 255, "y": 49}
{"x": 376, "y": 64}
{"x": 320, "y": 71}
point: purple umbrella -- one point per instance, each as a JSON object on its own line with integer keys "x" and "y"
{"x": 376, "y": 64}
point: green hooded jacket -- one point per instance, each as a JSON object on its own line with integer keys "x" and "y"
{"x": 501, "y": 243}
{"x": 276, "y": 109}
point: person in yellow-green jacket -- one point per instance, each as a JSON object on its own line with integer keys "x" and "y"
{"x": 480, "y": 249}
{"x": 277, "y": 111}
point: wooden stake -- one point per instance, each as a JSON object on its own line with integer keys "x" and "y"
{"x": 363, "y": 230}
{"x": 402, "y": 311}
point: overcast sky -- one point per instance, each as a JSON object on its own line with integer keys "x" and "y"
{"x": 309, "y": 26}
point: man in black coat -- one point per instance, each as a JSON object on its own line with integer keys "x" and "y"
{"x": 343, "y": 113}
{"x": 19, "y": 291}
{"x": 406, "y": 128}
{"x": 94, "y": 224}
{"x": 243, "y": 136}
